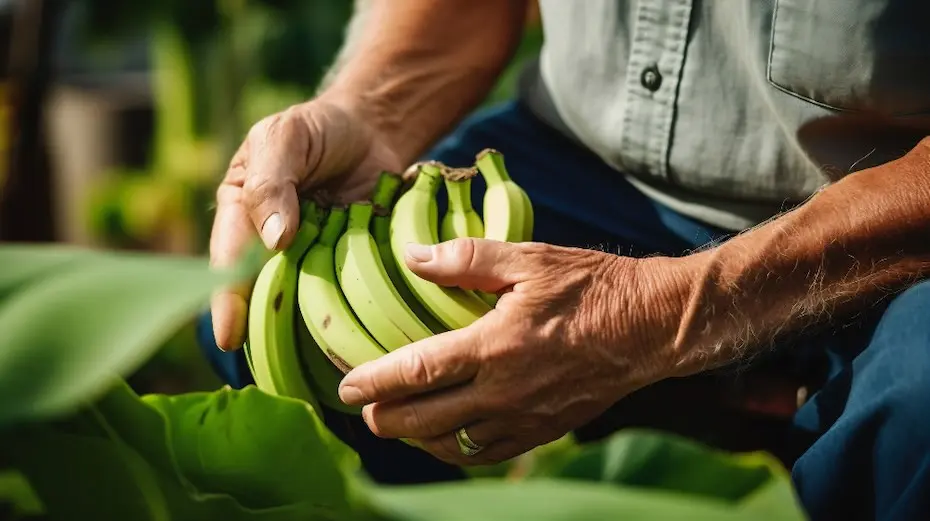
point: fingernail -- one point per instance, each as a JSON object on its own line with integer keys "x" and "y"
{"x": 351, "y": 395}
{"x": 272, "y": 230}
{"x": 420, "y": 252}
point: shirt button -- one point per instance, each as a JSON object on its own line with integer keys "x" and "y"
{"x": 651, "y": 79}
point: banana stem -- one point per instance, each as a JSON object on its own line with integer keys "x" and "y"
{"x": 381, "y": 224}
{"x": 360, "y": 214}
{"x": 429, "y": 177}
{"x": 386, "y": 189}
{"x": 334, "y": 225}
{"x": 308, "y": 212}
{"x": 490, "y": 163}
{"x": 458, "y": 187}
{"x": 308, "y": 231}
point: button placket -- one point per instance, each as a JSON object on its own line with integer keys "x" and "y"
{"x": 656, "y": 54}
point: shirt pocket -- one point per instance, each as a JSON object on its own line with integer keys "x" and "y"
{"x": 853, "y": 55}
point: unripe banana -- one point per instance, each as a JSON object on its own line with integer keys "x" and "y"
{"x": 271, "y": 347}
{"x": 385, "y": 193}
{"x": 325, "y": 311}
{"x": 508, "y": 212}
{"x": 460, "y": 219}
{"x": 321, "y": 375}
{"x": 367, "y": 287}
{"x": 415, "y": 220}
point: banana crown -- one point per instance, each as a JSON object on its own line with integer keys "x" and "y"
{"x": 386, "y": 188}
{"x": 333, "y": 226}
{"x": 490, "y": 163}
{"x": 458, "y": 187}
{"x": 429, "y": 178}
{"x": 360, "y": 213}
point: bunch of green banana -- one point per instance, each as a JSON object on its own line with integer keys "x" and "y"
{"x": 386, "y": 191}
{"x": 346, "y": 277}
{"x": 368, "y": 288}
{"x": 415, "y": 220}
{"x": 271, "y": 348}
{"x": 325, "y": 310}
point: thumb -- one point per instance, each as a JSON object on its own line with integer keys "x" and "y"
{"x": 479, "y": 264}
{"x": 276, "y": 164}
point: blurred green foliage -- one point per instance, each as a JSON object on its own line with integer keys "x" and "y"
{"x": 217, "y": 67}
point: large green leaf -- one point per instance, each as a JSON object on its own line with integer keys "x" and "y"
{"x": 22, "y": 265}
{"x": 127, "y": 438}
{"x": 647, "y": 459}
{"x": 73, "y": 320}
{"x": 543, "y": 499}
{"x": 262, "y": 449}
{"x": 635, "y": 474}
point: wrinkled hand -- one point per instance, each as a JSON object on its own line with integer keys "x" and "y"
{"x": 318, "y": 144}
{"x": 573, "y": 331}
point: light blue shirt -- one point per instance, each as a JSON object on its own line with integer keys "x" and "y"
{"x": 733, "y": 110}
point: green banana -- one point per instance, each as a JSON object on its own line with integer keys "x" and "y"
{"x": 320, "y": 374}
{"x": 326, "y": 313}
{"x": 271, "y": 346}
{"x": 460, "y": 219}
{"x": 508, "y": 212}
{"x": 388, "y": 186}
{"x": 415, "y": 220}
{"x": 367, "y": 287}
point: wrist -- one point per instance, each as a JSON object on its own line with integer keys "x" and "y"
{"x": 662, "y": 289}
{"x": 631, "y": 312}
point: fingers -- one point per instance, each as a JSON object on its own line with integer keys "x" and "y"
{"x": 278, "y": 160}
{"x": 439, "y": 361}
{"x": 259, "y": 192}
{"x": 485, "y": 265}
{"x": 425, "y": 416}
{"x": 500, "y": 448}
{"x": 232, "y": 232}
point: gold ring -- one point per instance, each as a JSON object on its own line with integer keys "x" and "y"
{"x": 466, "y": 446}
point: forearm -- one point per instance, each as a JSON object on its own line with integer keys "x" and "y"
{"x": 419, "y": 66}
{"x": 860, "y": 239}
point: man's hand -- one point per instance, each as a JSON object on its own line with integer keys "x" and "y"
{"x": 574, "y": 331}
{"x": 283, "y": 155}
{"x": 396, "y": 94}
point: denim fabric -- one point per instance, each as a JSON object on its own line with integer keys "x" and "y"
{"x": 864, "y": 436}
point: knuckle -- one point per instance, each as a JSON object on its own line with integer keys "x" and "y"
{"x": 257, "y": 188}
{"x": 237, "y": 163}
{"x": 416, "y": 370}
{"x": 415, "y": 423}
{"x": 289, "y": 124}
{"x": 461, "y": 254}
{"x": 533, "y": 247}
{"x": 262, "y": 127}
{"x": 227, "y": 194}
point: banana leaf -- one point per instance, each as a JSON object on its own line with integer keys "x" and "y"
{"x": 75, "y": 320}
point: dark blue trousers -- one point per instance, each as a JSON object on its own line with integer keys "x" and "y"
{"x": 863, "y": 440}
